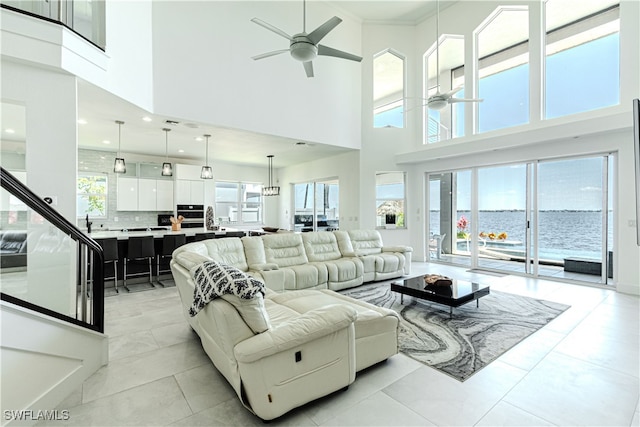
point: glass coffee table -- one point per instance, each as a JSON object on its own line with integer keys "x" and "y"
{"x": 459, "y": 293}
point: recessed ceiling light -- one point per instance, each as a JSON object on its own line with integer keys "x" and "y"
{"x": 147, "y": 119}
{"x": 198, "y": 138}
{"x": 82, "y": 122}
{"x": 181, "y": 151}
{"x": 106, "y": 141}
{"x": 9, "y": 130}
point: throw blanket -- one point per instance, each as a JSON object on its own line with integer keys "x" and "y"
{"x": 213, "y": 280}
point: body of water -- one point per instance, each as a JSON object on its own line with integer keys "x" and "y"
{"x": 561, "y": 233}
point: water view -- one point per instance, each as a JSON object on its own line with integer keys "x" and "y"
{"x": 562, "y": 234}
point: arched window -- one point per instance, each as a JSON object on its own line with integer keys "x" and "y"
{"x": 502, "y": 43}
{"x": 388, "y": 89}
{"x": 448, "y": 122}
{"x": 582, "y": 56}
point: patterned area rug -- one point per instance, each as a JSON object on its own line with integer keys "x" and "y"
{"x": 472, "y": 338}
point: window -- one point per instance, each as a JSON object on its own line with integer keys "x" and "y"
{"x": 448, "y": 56}
{"x": 92, "y": 195}
{"x": 582, "y": 56}
{"x": 238, "y": 203}
{"x": 388, "y": 90}
{"x": 503, "y": 69}
{"x": 390, "y": 199}
{"x": 319, "y": 199}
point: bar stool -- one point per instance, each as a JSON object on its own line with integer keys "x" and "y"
{"x": 204, "y": 236}
{"x": 169, "y": 244}
{"x": 139, "y": 248}
{"x": 110, "y": 254}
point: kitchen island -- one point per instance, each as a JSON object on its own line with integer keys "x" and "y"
{"x": 158, "y": 233}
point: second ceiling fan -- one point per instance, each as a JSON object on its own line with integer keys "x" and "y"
{"x": 305, "y": 47}
{"x": 439, "y": 100}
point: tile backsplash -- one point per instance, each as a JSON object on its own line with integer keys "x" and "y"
{"x": 102, "y": 162}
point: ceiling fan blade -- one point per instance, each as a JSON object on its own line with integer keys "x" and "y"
{"x": 272, "y": 28}
{"x": 452, "y": 91}
{"x": 452, "y": 100}
{"x": 318, "y": 34}
{"x": 308, "y": 68}
{"x": 329, "y": 51}
{"x": 268, "y": 54}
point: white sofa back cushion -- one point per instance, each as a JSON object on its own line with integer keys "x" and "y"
{"x": 321, "y": 246}
{"x": 366, "y": 242}
{"x": 285, "y": 249}
{"x": 228, "y": 250}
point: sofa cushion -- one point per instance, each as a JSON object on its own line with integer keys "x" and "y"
{"x": 245, "y": 293}
{"x": 189, "y": 259}
{"x": 285, "y": 250}
{"x": 321, "y": 246}
{"x": 228, "y": 251}
{"x": 366, "y": 242}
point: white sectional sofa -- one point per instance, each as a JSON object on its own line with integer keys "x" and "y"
{"x": 285, "y": 349}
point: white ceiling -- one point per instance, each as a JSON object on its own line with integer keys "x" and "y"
{"x": 100, "y": 109}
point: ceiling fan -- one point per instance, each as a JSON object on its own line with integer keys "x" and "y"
{"x": 305, "y": 47}
{"x": 439, "y": 100}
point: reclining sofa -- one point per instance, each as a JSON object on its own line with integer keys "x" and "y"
{"x": 316, "y": 260}
{"x": 283, "y": 349}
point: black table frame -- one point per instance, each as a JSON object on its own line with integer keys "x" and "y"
{"x": 415, "y": 287}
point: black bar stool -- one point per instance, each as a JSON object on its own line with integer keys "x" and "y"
{"x": 139, "y": 248}
{"x": 110, "y": 251}
{"x": 204, "y": 236}
{"x": 169, "y": 244}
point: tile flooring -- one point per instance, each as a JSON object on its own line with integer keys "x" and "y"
{"x": 581, "y": 369}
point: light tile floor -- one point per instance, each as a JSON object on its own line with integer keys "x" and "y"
{"x": 581, "y": 369}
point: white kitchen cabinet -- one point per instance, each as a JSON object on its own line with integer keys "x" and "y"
{"x": 164, "y": 195}
{"x": 189, "y": 192}
{"x": 147, "y": 195}
{"x": 127, "y": 198}
{"x": 141, "y": 194}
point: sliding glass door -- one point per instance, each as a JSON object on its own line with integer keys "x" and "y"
{"x": 549, "y": 218}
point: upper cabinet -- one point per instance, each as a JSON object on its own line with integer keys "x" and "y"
{"x": 149, "y": 191}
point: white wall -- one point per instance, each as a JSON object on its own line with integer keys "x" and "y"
{"x": 203, "y": 70}
{"x": 380, "y": 145}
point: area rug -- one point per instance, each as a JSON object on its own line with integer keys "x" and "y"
{"x": 472, "y": 338}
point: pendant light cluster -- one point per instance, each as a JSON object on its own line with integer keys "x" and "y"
{"x": 271, "y": 190}
{"x": 119, "y": 165}
{"x": 167, "y": 170}
{"x": 207, "y": 172}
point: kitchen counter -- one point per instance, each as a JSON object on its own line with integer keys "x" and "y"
{"x": 158, "y": 234}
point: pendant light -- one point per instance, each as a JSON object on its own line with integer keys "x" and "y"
{"x": 118, "y": 165}
{"x": 271, "y": 190}
{"x": 207, "y": 172}
{"x": 167, "y": 170}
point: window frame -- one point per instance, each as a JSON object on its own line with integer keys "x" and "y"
{"x": 401, "y": 217}
{"x": 241, "y": 205}
{"x": 104, "y": 196}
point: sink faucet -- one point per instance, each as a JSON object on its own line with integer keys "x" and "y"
{"x": 88, "y": 224}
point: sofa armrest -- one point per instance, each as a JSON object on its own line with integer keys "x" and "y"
{"x": 308, "y": 327}
{"x": 267, "y": 266}
{"x": 401, "y": 249}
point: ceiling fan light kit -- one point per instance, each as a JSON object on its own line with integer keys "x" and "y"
{"x": 305, "y": 47}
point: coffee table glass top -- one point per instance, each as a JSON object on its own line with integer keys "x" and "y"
{"x": 459, "y": 289}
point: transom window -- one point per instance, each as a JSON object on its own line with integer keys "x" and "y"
{"x": 388, "y": 89}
